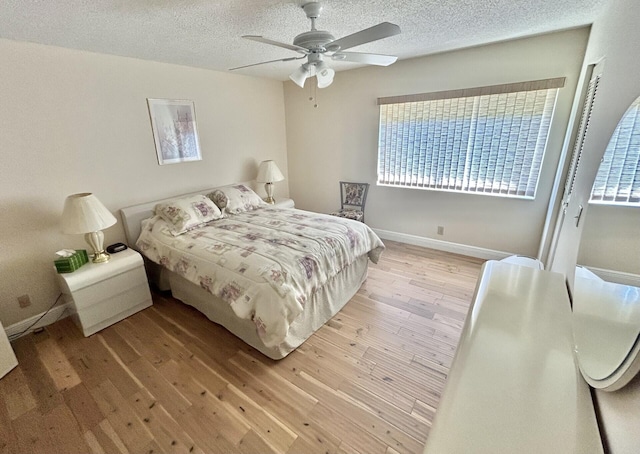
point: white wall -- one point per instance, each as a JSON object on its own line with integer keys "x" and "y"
{"x": 75, "y": 121}
{"x": 338, "y": 140}
{"x": 614, "y": 39}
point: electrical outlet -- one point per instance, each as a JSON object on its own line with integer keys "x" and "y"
{"x": 440, "y": 230}
{"x": 24, "y": 301}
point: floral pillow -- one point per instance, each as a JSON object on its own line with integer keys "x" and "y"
{"x": 219, "y": 198}
{"x": 187, "y": 213}
{"x": 236, "y": 198}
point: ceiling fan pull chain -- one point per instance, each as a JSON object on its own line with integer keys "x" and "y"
{"x": 313, "y": 94}
{"x": 314, "y": 87}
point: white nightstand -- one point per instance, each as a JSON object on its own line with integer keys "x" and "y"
{"x": 105, "y": 293}
{"x": 7, "y": 357}
{"x": 284, "y": 203}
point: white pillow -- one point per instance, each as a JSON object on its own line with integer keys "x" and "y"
{"x": 236, "y": 198}
{"x": 188, "y": 212}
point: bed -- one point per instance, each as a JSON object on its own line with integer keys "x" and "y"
{"x": 271, "y": 276}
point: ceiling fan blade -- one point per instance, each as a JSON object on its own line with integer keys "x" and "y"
{"x": 369, "y": 59}
{"x": 261, "y": 39}
{"x": 265, "y": 62}
{"x": 380, "y": 31}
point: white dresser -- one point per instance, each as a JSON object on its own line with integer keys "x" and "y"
{"x": 102, "y": 294}
{"x": 514, "y": 386}
{"x": 7, "y": 357}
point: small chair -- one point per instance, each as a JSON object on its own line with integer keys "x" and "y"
{"x": 353, "y": 197}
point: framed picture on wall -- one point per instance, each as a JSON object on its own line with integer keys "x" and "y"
{"x": 173, "y": 122}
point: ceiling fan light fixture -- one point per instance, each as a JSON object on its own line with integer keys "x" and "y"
{"x": 299, "y": 76}
{"x": 324, "y": 74}
{"x": 316, "y": 44}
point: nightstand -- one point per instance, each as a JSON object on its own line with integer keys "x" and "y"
{"x": 102, "y": 294}
{"x": 284, "y": 203}
{"x": 7, "y": 357}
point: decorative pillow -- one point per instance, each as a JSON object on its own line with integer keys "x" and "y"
{"x": 187, "y": 213}
{"x": 219, "y": 198}
{"x": 236, "y": 198}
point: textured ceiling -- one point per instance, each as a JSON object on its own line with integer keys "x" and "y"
{"x": 206, "y": 33}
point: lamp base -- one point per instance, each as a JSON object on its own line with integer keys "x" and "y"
{"x": 268, "y": 187}
{"x": 100, "y": 257}
{"x": 96, "y": 241}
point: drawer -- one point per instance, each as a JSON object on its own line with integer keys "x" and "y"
{"x": 108, "y": 289}
{"x": 111, "y": 307}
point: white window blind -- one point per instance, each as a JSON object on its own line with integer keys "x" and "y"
{"x": 618, "y": 178}
{"x": 488, "y": 140}
{"x": 583, "y": 129}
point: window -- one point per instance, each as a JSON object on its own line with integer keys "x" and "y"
{"x": 618, "y": 178}
{"x": 487, "y": 140}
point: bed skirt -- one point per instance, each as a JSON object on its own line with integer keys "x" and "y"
{"x": 319, "y": 309}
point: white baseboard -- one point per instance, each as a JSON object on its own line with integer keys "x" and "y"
{"x": 617, "y": 276}
{"x": 455, "y": 248}
{"x": 53, "y": 315}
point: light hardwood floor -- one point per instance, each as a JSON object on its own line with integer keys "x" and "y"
{"x": 168, "y": 380}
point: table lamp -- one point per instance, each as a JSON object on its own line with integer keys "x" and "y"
{"x": 84, "y": 213}
{"x": 268, "y": 173}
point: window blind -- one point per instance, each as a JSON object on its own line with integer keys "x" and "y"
{"x": 487, "y": 140}
{"x": 583, "y": 128}
{"x": 618, "y": 178}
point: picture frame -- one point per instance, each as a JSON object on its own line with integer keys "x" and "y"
{"x": 175, "y": 132}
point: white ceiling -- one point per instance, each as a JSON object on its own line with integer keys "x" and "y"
{"x": 206, "y": 33}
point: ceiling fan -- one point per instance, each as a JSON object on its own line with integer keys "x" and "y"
{"x": 315, "y": 44}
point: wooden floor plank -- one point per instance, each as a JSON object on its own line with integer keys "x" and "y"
{"x": 64, "y": 431}
{"x": 16, "y": 395}
{"x": 387, "y": 411}
{"x": 362, "y": 416}
{"x": 119, "y": 346}
{"x": 32, "y": 434}
{"x": 8, "y": 441}
{"x": 272, "y": 387}
{"x": 159, "y": 387}
{"x": 346, "y": 430}
{"x": 123, "y": 419}
{"x": 268, "y": 427}
{"x": 41, "y": 385}
{"x": 204, "y": 434}
{"x": 107, "y": 438}
{"x": 166, "y": 431}
{"x": 92, "y": 442}
{"x": 59, "y": 368}
{"x": 252, "y": 443}
{"x": 206, "y": 404}
{"x": 168, "y": 380}
{"x": 287, "y": 402}
{"x": 83, "y": 406}
{"x": 379, "y": 388}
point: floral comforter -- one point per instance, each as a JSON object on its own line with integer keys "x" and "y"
{"x": 264, "y": 263}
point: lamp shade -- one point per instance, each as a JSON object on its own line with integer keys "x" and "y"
{"x": 300, "y": 75}
{"x": 84, "y": 213}
{"x": 324, "y": 74}
{"x": 268, "y": 172}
